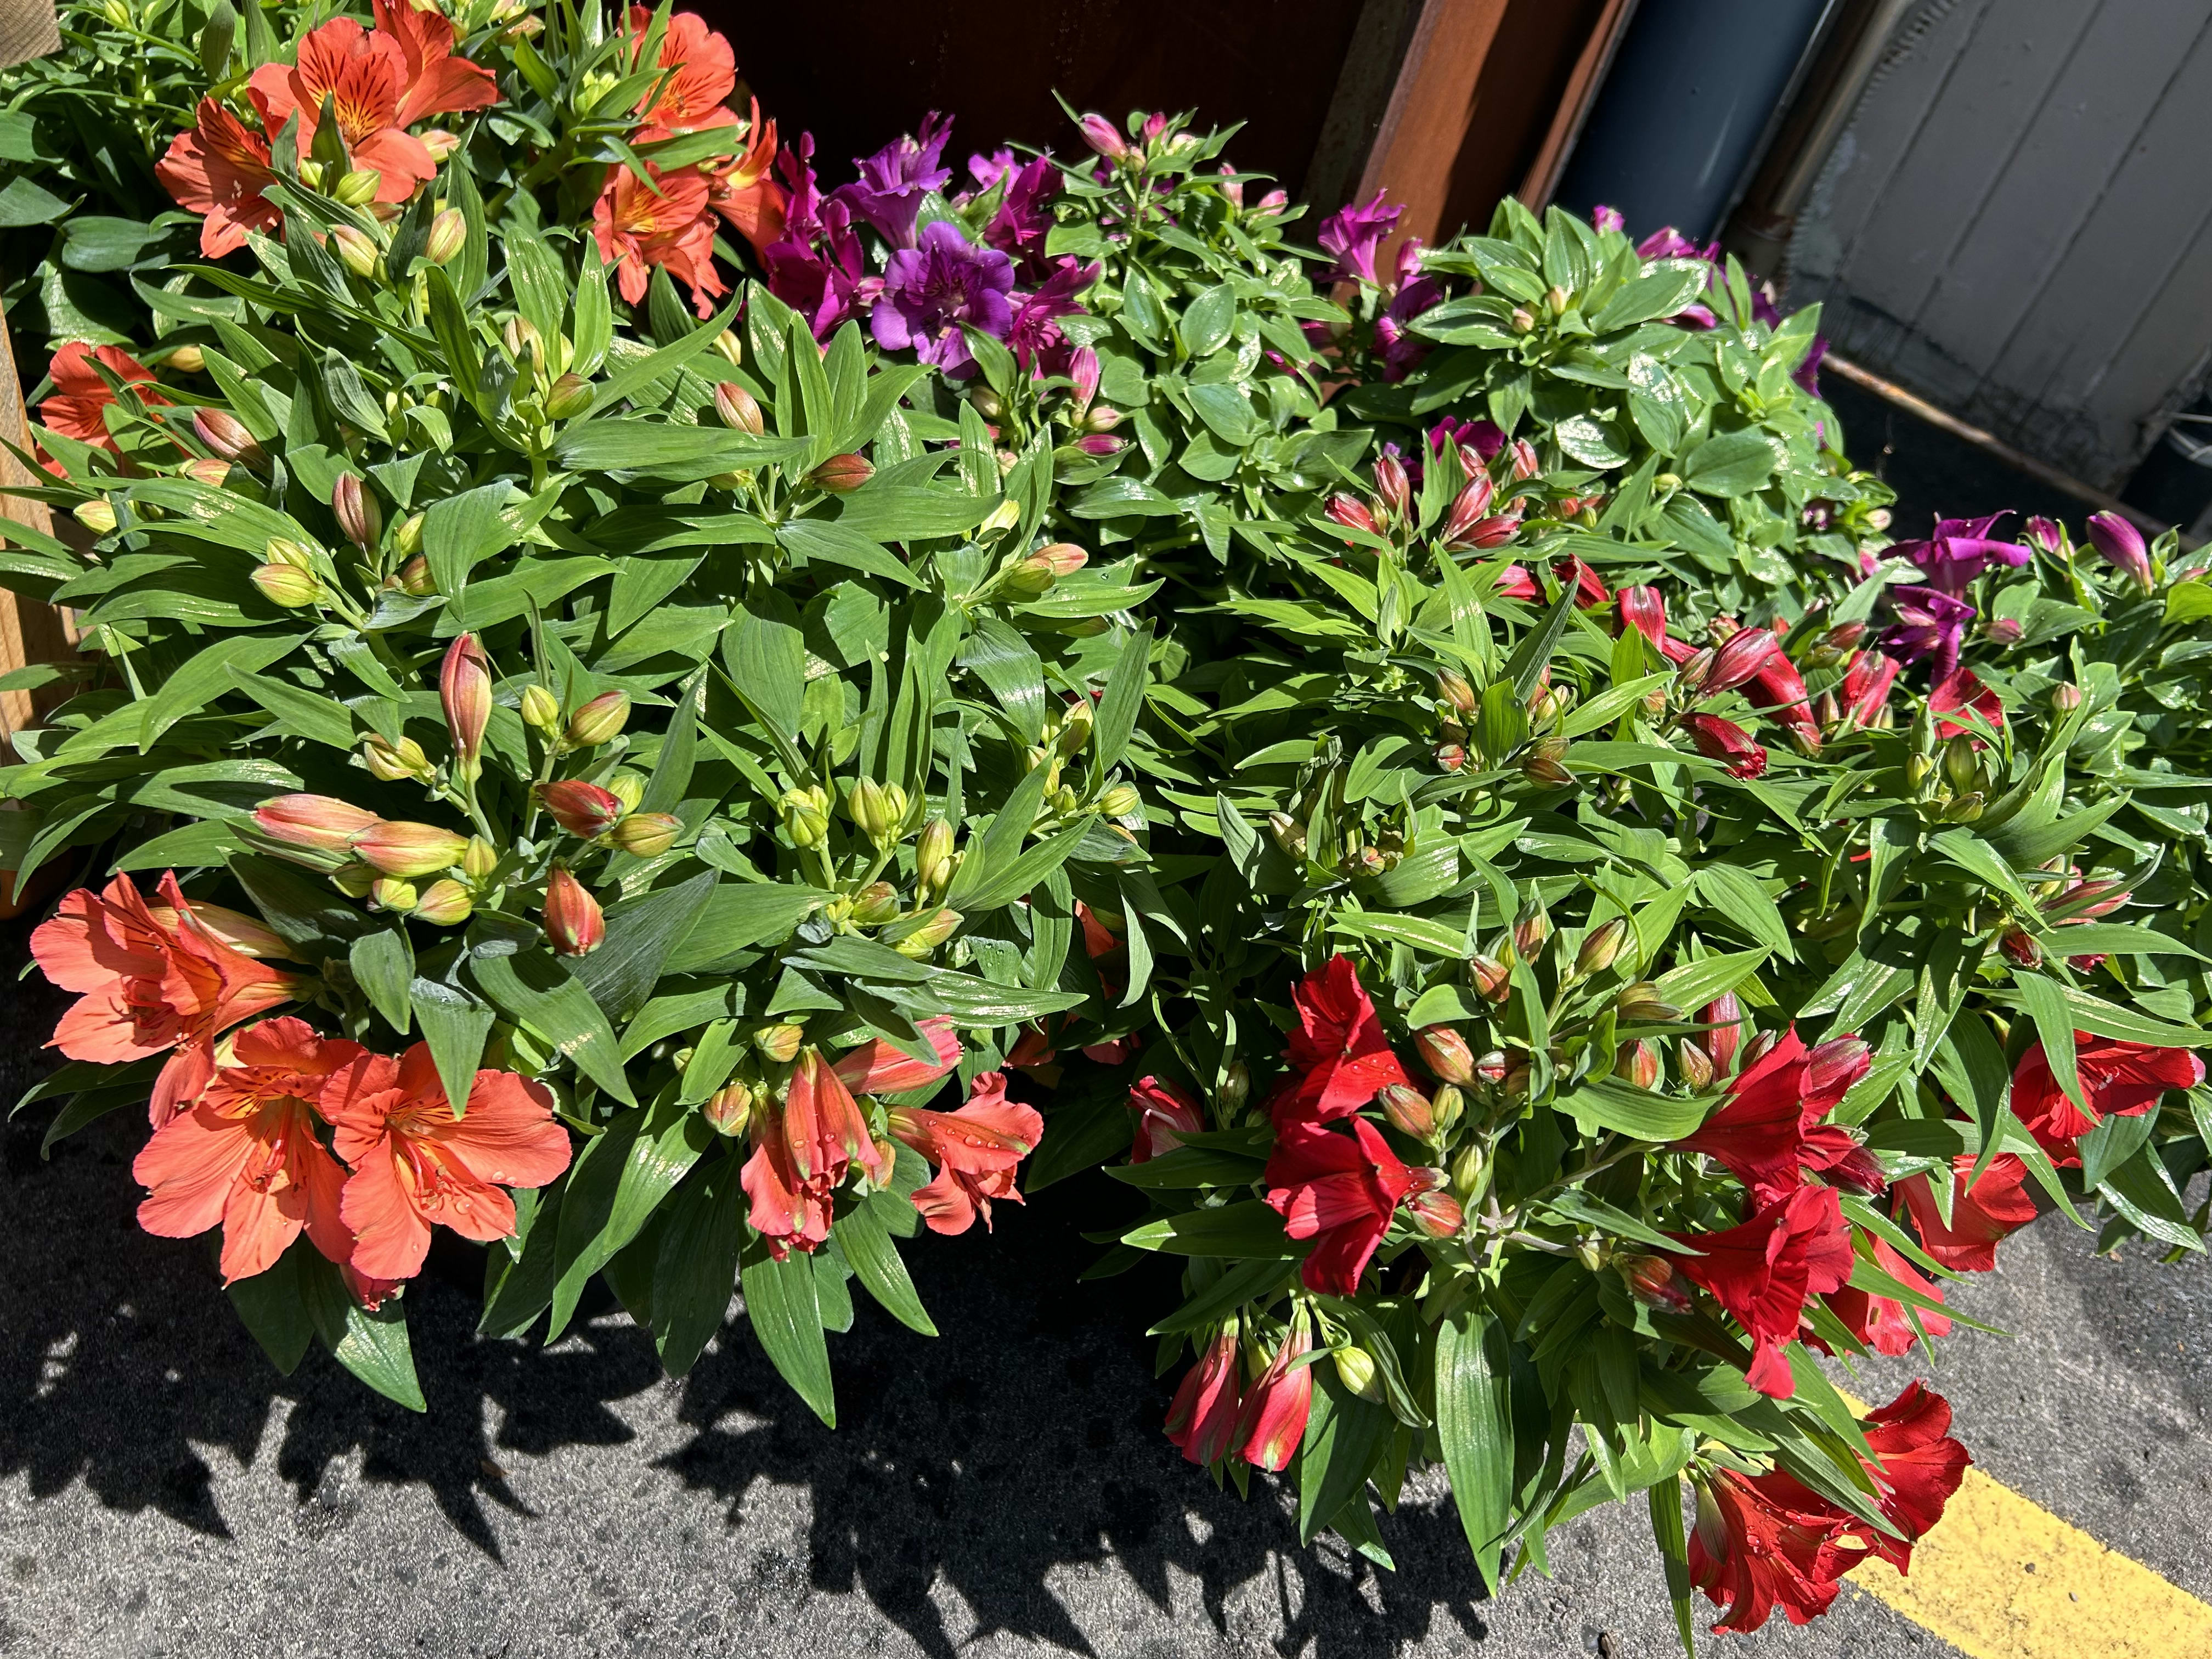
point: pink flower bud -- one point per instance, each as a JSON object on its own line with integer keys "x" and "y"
{"x": 1083, "y": 371}
{"x": 1445, "y": 1053}
{"x": 574, "y": 920}
{"x": 1230, "y": 187}
{"x": 584, "y": 810}
{"x": 1740, "y": 660}
{"x": 1834, "y": 1068}
{"x": 1103, "y": 138}
{"x": 1391, "y": 485}
{"x": 1637, "y": 1062}
{"x": 2122, "y": 544}
{"x": 1525, "y": 463}
{"x": 1650, "y": 1280}
{"x": 1695, "y": 1065}
{"x": 321, "y": 822}
{"x": 2043, "y": 536}
{"x": 1495, "y": 531}
{"x": 738, "y": 409}
{"x": 465, "y": 688}
{"x": 1644, "y": 610}
{"x": 227, "y": 438}
{"x": 599, "y": 719}
{"x": 1100, "y": 444}
{"x": 356, "y": 510}
{"x": 2021, "y": 948}
{"x": 1352, "y": 513}
{"x": 1408, "y": 1110}
{"x": 409, "y": 849}
{"x": 1727, "y": 742}
{"x": 1468, "y": 510}
{"x": 1438, "y": 1214}
{"x": 841, "y": 474}
{"x": 1493, "y": 980}
{"x": 1725, "y": 1015}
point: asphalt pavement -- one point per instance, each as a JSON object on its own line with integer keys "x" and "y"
{"x": 1004, "y": 1489}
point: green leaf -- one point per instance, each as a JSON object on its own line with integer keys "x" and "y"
{"x": 461, "y": 532}
{"x": 535, "y": 990}
{"x": 829, "y": 541}
{"x": 641, "y": 934}
{"x": 1665, "y": 1501}
{"x": 618, "y": 1182}
{"x": 1474, "y": 1426}
{"x": 1534, "y": 654}
{"x": 320, "y": 718}
{"x": 786, "y": 1315}
{"x": 1604, "y": 1103}
{"x": 1208, "y": 321}
{"x": 384, "y": 963}
{"x": 1248, "y": 1231}
{"x": 1732, "y": 464}
{"x": 454, "y": 1025}
{"x": 375, "y": 1349}
{"x": 1737, "y": 894}
{"x": 1691, "y": 985}
{"x": 738, "y": 917}
{"x": 1123, "y": 699}
{"x": 696, "y": 1272}
{"x": 1344, "y": 1435}
{"x": 863, "y": 1235}
{"x": 273, "y": 1305}
{"x": 765, "y": 653}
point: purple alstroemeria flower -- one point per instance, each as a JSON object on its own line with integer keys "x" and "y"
{"x": 1670, "y": 244}
{"x": 892, "y": 182}
{"x": 1351, "y": 235}
{"x": 987, "y": 170}
{"x": 1034, "y": 334}
{"x": 1930, "y": 623}
{"x": 1958, "y": 550}
{"x": 1808, "y": 373}
{"x": 817, "y": 266}
{"x": 1401, "y": 348}
{"x": 1024, "y": 217}
{"x": 932, "y": 289}
{"x": 2123, "y": 548}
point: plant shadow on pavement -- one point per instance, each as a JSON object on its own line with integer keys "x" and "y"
{"x": 1023, "y": 1441}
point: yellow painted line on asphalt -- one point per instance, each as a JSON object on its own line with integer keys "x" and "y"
{"x": 2002, "y": 1577}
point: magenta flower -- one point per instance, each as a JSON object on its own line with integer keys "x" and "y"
{"x": 1958, "y": 550}
{"x": 826, "y": 279}
{"x": 987, "y": 170}
{"x": 1930, "y": 623}
{"x": 1024, "y": 216}
{"x": 892, "y": 182}
{"x": 1401, "y": 348}
{"x": 1351, "y": 236}
{"x": 1608, "y": 218}
{"x": 1033, "y": 334}
{"x": 932, "y": 289}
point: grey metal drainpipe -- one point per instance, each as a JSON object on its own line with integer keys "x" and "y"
{"x": 1758, "y": 231}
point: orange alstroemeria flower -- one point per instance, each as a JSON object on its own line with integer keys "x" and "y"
{"x": 415, "y": 1165}
{"x": 977, "y": 1150}
{"x": 80, "y": 393}
{"x": 437, "y": 83}
{"x": 742, "y": 190}
{"x": 218, "y": 170}
{"x": 245, "y": 1154}
{"x": 365, "y": 74}
{"x": 150, "y": 982}
{"x": 703, "y": 74}
{"x": 665, "y": 223}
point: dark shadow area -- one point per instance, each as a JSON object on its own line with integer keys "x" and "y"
{"x": 1935, "y": 474}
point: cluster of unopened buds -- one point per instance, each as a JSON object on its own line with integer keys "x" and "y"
{"x": 1541, "y": 754}
{"x": 1469, "y": 524}
{"x": 1157, "y": 138}
{"x": 882, "y": 813}
{"x": 2073, "y": 900}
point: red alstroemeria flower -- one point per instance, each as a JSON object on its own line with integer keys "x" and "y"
{"x": 80, "y": 393}
{"x": 1727, "y": 743}
{"x": 1590, "y": 590}
{"x": 665, "y": 221}
{"x": 1880, "y": 1321}
{"x": 1339, "y": 1190}
{"x": 1514, "y": 582}
{"x": 975, "y": 1149}
{"x": 1752, "y": 1552}
{"x": 437, "y": 83}
{"x": 2118, "y": 1079}
{"x": 1770, "y": 1129}
{"x": 825, "y": 1129}
{"x": 876, "y": 1068}
{"x": 1778, "y": 691}
{"x": 1033, "y": 1052}
{"x": 219, "y": 170}
{"x": 744, "y": 191}
{"x": 149, "y": 984}
{"x": 1166, "y": 1114}
{"x": 1273, "y": 1419}
{"x": 788, "y": 1210}
{"x": 246, "y": 1153}
{"x": 415, "y": 1164}
{"x": 1765, "y": 1271}
{"x": 1916, "y": 1464}
{"x": 1982, "y": 1216}
{"x": 702, "y": 72}
{"x": 1959, "y": 690}
{"x": 1865, "y": 689}
{"x": 1339, "y": 1052}
{"x": 366, "y": 73}
{"x": 1202, "y": 1419}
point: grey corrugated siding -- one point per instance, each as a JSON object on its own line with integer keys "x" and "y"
{"x": 2017, "y": 222}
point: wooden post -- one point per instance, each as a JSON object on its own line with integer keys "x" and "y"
{"x": 29, "y": 632}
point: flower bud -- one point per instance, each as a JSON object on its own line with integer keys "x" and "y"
{"x": 321, "y": 822}
{"x": 599, "y": 719}
{"x": 729, "y": 1108}
{"x": 574, "y": 920}
{"x": 2065, "y": 698}
{"x": 186, "y": 359}
{"x": 568, "y": 396}
{"x": 1637, "y": 1062}
{"x": 779, "y": 1042}
{"x": 285, "y": 585}
{"x": 414, "y": 578}
{"x": 1445, "y": 1053}
{"x": 931, "y": 934}
{"x": 392, "y": 893}
{"x": 1962, "y": 767}
{"x": 355, "y": 509}
{"x": 1409, "y": 1110}
{"x": 1356, "y": 1370}
{"x": 357, "y": 188}
{"x": 443, "y": 903}
{"x": 1695, "y": 1065}
{"x": 1523, "y": 319}
{"x": 1640, "y": 1004}
{"x": 1493, "y": 980}
{"x": 227, "y": 438}
{"x": 449, "y": 234}
{"x": 465, "y": 690}
{"x": 1103, "y": 138}
{"x": 1650, "y": 1280}
{"x": 804, "y": 819}
{"x": 1599, "y": 947}
{"x": 1454, "y": 688}
{"x": 353, "y": 881}
{"x": 408, "y": 538}
{"x": 1834, "y": 1068}
{"x": 730, "y": 349}
{"x": 1451, "y": 757}
{"x": 1102, "y": 417}
{"x": 1725, "y": 1015}
{"x": 875, "y": 904}
{"x": 396, "y": 848}
{"x": 738, "y": 409}
{"x": 932, "y": 857}
{"x": 1470, "y": 509}
{"x": 540, "y": 708}
{"x": 869, "y": 807}
{"x": 1543, "y": 763}
{"x": 357, "y": 250}
{"x": 1352, "y": 513}
{"x": 1119, "y": 801}
{"x": 2021, "y": 948}
{"x": 390, "y": 763}
{"x": 480, "y": 860}
{"x": 1739, "y": 659}
{"x": 1466, "y": 1170}
{"x": 841, "y": 474}
{"x": 206, "y": 469}
{"x": 1531, "y": 929}
{"x": 647, "y": 834}
{"x": 584, "y": 810}
{"x": 1437, "y": 1213}
{"x": 1392, "y": 487}
{"x": 2123, "y": 549}
{"x": 1235, "y": 1087}
{"x": 1290, "y": 835}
